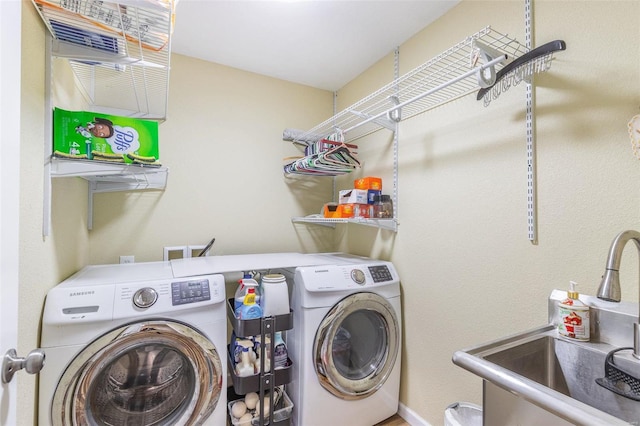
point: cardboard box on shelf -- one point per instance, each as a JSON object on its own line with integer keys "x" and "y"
{"x": 357, "y": 196}
{"x": 104, "y": 137}
{"x": 335, "y": 211}
{"x": 353, "y": 196}
{"x": 369, "y": 182}
{"x": 346, "y": 211}
{"x": 356, "y": 210}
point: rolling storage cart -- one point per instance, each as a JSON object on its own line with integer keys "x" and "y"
{"x": 263, "y": 381}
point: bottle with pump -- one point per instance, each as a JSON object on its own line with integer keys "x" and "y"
{"x": 574, "y": 316}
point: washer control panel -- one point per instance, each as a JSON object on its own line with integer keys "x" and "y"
{"x": 342, "y": 277}
{"x": 183, "y": 292}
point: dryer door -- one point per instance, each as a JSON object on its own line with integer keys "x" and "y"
{"x": 356, "y": 346}
{"x": 146, "y": 373}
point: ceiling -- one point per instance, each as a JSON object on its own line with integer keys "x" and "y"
{"x": 319, "y": 43}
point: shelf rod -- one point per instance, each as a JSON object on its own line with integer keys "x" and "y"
{"x": 48, "y": 138}
{"x": 469, "y": 73}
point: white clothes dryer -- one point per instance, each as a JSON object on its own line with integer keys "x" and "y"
{"x": 132, "y": 344}
{"x": 345, "y": 343}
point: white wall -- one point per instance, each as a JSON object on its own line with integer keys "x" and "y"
{"x": 222, "y": 142}
{"x": 223, "y": 145}
{"x": 43, "y": 261}
{"x": 468, "y": 272}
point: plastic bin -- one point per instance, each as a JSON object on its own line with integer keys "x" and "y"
{"x": 281, "y": 413}
{"x": 463, "y": 414}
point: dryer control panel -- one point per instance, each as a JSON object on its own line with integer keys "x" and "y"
{"x": 338, "y": 277}
{"x": 319, "y": 286}
{"x": 380, "y": 273}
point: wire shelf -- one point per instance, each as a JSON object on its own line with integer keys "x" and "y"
{"x": 448, "y": 76}
{"x": 110, "y": 177}
{"x": 119, "y": 51}
{"x": 389, "y": 224}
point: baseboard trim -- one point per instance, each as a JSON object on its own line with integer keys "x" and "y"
{"x": 410, "y": 416}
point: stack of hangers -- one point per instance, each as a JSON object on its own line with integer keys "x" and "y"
{"x": 325, "y": 158}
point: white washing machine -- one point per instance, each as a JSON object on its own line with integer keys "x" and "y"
{"x": 345, "y": 342}
{"x": 132, "y": 344}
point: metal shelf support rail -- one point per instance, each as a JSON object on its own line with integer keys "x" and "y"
{"x": 532, "y": 221}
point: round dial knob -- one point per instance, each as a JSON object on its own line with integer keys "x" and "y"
{"x": 358, "y": 276}
{"x": 145, "y": 297}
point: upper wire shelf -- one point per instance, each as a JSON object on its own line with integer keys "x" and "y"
{"x": 108, "y": 177}
{"x": 462, "y": 69}
{"x": 119, "y": 51}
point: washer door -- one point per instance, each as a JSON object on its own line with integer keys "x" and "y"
{"x": 356, "y": 346}
{"x": 146, "y": 373}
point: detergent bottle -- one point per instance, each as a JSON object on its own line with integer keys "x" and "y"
{"x": 249, "y": 308}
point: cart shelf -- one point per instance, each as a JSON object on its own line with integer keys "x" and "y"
{"x": 263, "y": 381}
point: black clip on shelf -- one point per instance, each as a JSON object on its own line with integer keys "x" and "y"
{"x": 538, "y": 52}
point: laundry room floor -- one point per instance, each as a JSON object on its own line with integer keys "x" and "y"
{"x": 395, "y": 420}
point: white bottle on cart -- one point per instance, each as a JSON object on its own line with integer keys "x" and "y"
{"x": 275, "y": 295}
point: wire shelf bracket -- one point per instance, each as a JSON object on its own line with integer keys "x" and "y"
{"x": 109, "y": 177}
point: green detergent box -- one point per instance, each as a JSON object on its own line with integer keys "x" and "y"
{"x": 101, "y": 137}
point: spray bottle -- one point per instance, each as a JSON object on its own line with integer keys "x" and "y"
{"x": 244, "y": 284}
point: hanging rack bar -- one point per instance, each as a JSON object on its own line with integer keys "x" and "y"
{"x": 384, "y": 122}
{"x": 480, "y": 68}
{"x": 446, "y": 77}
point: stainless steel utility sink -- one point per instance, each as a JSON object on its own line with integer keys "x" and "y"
{"x": 542, "y": 360}
{"x": 538, "y": 377}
